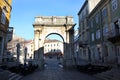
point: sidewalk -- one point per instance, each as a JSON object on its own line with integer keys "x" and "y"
{"x": 4, "y": 75}
{"x": 7, "y": 75}
{"x": 113, "y": 74}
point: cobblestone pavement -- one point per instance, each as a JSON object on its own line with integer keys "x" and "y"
{"x": 54, "y": 71}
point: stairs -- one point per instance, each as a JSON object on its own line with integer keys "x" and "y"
{"x": 14, "y": 76}
{"x": 113, "y": 74}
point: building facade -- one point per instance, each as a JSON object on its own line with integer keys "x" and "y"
{"x": 95, "y": 30}
{"x": 99, "y": 31}
{"x": 53, "y": 47}
{"x": 84, "y": 38}
{"x": 113, "y": 32}
{"x": 29, "y": 44}
{"x": 76, "y": 47}
{"x": 5, "y": 9}
{"x": 12, "y": 49}
{"x": 104, "y": 32}
{"x": 83, "y": 31}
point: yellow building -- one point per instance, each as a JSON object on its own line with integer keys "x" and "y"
{"x": 5, "y": 9}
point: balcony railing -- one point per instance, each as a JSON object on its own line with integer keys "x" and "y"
{"x": 83, "y": 43}
{"x": 113, "y": 35}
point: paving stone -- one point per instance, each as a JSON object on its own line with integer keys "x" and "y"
{"x": 113, "y": 74}
{"x": 53, "y": 71}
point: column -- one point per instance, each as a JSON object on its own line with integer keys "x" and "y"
{"x": 36, "y": 40}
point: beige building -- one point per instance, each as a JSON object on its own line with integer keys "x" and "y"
{"x": 12, "y": 49}
{"x": 29, "y": 44}
{"x": 53, "y": 46}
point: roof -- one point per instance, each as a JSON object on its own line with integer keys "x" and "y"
{"x": 83, "y": 7}
{"x": 51, "y": 40}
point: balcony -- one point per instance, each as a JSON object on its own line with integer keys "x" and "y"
{"x": 113, "y": 35}
{"x": 9, "y": 34}
{"x": 83, "y": 43}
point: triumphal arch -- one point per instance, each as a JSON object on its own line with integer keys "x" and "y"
{"x": 61, "y": 25}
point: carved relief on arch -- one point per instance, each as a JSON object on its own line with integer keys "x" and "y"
{"x": 37, "y": 31}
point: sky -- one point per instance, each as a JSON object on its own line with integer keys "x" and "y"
{"x": 24, "y": 12}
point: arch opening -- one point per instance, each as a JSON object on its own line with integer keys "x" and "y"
{"x": 53, "y": 46}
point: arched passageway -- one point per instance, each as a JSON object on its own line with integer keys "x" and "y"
{"x": 60, "y": 25}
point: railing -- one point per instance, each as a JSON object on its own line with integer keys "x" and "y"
{"x": 10, "y": 29}
{"x": 9, "y": 33}
{"x": 83, "y": 43}
{"x": 113, "y": 33}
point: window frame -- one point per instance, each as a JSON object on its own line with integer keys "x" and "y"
{"x": 114, "y": 4}
{"x": 98, "y": 34}
{"x": 3, "y": 17}
{"x": 92, "y": 36}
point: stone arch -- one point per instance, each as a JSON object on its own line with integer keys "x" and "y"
{"x": 59, "y": 46}
{"x": 62, "y": 25}
{"x": 56, "y": 34}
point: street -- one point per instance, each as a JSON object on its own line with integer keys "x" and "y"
{"x": 53, "y": 71}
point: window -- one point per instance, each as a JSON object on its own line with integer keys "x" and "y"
{"x": 98, "y": 34}
{"x": 91, "y": 23}
{"x": 92, "y": 36}
{"x": 54, "y": 50}
{"x": 104, "y": 12}
{"x": 96, "y": 18}
{"x": 51, "y": 50}
{"x": 105, "y": 30}
{"x": 5, "y": 9}
{"x": 114, "y": 4}
{"x": 45, "y": 45}
{"x": 84, "y": 52}
{"x": 82, "y": 25}
{"x": 3, "y": 17}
